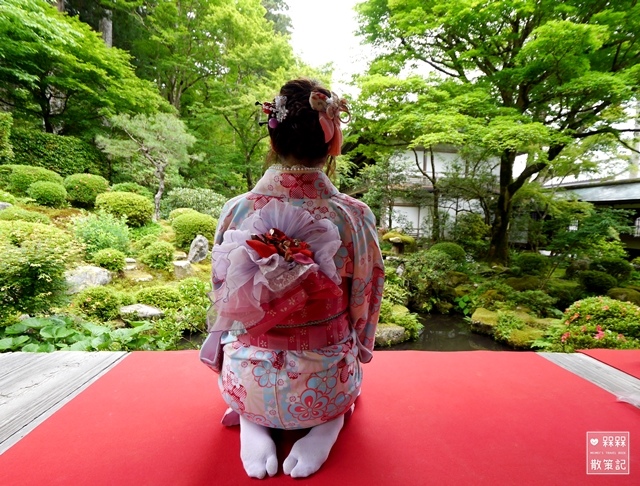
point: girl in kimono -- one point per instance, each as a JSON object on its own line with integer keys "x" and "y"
{"x": 297, "y": 278}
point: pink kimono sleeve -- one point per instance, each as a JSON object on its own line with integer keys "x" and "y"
{"x": 367, "y": 285}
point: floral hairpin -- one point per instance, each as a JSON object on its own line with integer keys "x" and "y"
{"x": 277, "y": 110}
{"x": 329, "y": 109}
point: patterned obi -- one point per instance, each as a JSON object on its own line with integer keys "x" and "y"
{"x": 321, "y": 323}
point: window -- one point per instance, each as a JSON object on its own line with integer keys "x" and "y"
{"x": 637, "y": 231}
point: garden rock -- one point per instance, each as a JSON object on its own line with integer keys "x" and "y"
{"x": 5, "y": 205}
{"x": 140, "y": 311}
{"x": 86, "y": 276}
{"x": 199, "y": 249}
{"x": 182, "y": 269}
{"x": 131, "y": 264}
{"x": 179, "y": 255}
{"x": 138, "y": 276}
{"x": 388, "y": 334}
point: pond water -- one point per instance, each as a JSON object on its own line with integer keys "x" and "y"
{"x": 449, "y": 333}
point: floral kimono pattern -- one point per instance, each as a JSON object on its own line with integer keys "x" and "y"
{"x": 295, "y": 387}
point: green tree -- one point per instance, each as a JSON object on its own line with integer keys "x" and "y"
{"x": 276, "y": 13}
{"x": 160, "y": 141}
{"x": 55, "y": 71}
{"x": 556, "y": 72}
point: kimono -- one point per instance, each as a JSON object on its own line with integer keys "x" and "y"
{"x": 294, "y": 362}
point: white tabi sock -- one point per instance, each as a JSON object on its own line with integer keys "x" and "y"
{"x": 310, "y": 452}
{"x": 257, "y": 450}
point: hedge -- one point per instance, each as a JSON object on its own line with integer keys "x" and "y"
{"x": 64, "y": 154}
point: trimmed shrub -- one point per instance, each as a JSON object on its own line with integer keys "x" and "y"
{"x": 179, "y": 212}
{"x": 82, "y": 189}
{"x": 189, "y": 225}
{"x": 158, "y": 255}
{"x": 616, "y": 267}
{"x": 49, "y": 194}
{"x": 577, "y": 266}
{"x": 566, "y": 292}
{"x": 132, "y": 187}
{"x": 8, "y": 198}
{"x": 597, "y": 282}
{"x": 161, "y": 296}
{"x": 536, "y": 301}
{"x": 597, "y": 322}
{"x": 196, "y": 303}
{"x": 98, "y": 231}
{"x": 102, "y": 303}
{"x": 143, "y": 243}
{"x": 625, "y": 295}
{"x": 34, "y": 259}
{"x": 136, "y": 208}
{"x": 15, "y": 213}
{"x": 426, "y": 274}
{"x": 111, "y": 259}
{"x": 204, "y": 201}
{"x": 17, "y": 178}
{"x": 65, "y": 154}
{"x": 472, "y": 233}
{"x": 532, "y": 263}
{"x": 455, "y": 251}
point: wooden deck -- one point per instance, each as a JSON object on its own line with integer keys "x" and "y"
{"x": 34, "y": 386}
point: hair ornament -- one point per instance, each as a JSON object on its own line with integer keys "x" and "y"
{"x": 276, "y": 111}
{"x": 329, "y": 109}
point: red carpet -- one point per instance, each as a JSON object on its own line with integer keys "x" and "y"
{"x": 627, "y": 360}
{"x": 459, "y": 418}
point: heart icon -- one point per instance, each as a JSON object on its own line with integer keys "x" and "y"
{"x": 594, "y": 441}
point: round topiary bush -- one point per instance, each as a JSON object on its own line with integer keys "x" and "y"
{"x": 616, "y": 267}
{"x": 597, "y": 322}
{"x": 136, "y": 208}
{"x": 597, "y": 282}
{"x": 455, "y": 251}
{"x": 143, "y": 243}
{"x": 34, "y": 259}
{"x": 82, "y": 189}
{"x": 625, "y": 295}
{"x": 17, "y": 178}
{"x": 161, "y": 296}
{"x": 532, "y": 263}
{"x": 49, "y": 194}
{"x": 111, "y": 259}
{"x": 158, "y": 255}
{"x": 15, "y": 213}
{"x": 132, "y": 187}
{"x": 101, "y": 230}
{"x": 179, "y": 212}
{"x": 189, "y": 225}
{"x": 102, "y": 303}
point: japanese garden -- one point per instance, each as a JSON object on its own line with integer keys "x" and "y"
{"x": 125, "y": 126}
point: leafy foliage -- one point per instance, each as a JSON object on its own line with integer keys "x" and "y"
{"x": 132, "y": 187}
{"x": 98, "y": 231}
{"x": 82, "y": 189}
{"x": 48, "y": 194}
{"x": 34, "y": 259}
{"x": 596, "y": 282}
{"x": 15, "y": 213}
{"x": 158, "y": 254}
{"x": 101, "y": 303}
{"x": 6, "y": 150}
{"x": 111, "y": 259}
{"x": 58, "y": 73}
{"x": 616, "y": 267}
{"x": 161, "y": 296}
{"x": 65, "y": 155}
{"x": 426, "y": 275}
{"x": 533, "y": 263}
{"x": 597, "y": 322}
{"x": 202, "y": 200}
{"x": 17, "y": 178}
{"x": 135, "y": 208}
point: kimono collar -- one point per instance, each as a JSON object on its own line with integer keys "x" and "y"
{"x": 295, "y": 183}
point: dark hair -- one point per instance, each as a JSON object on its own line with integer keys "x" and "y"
{"x": 300, "y": 134}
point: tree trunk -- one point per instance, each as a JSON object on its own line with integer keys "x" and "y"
{"x": 435, "y": 231}
{"x": 248, "y": 175}
{"x": 106, "y": 28}
{"x": 499, "y": 246}
{"x": 158, "y": 197}
{"x": 60, "y": 5}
